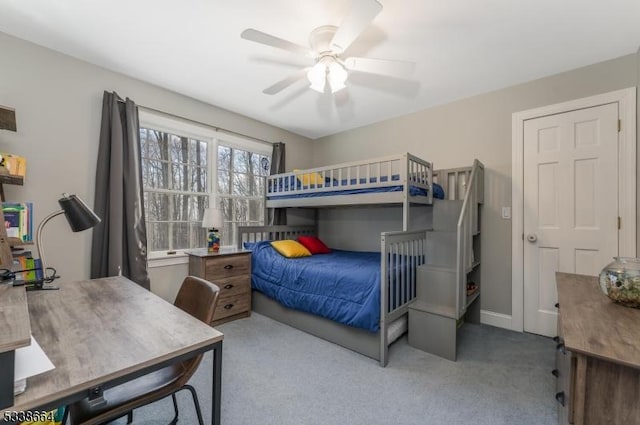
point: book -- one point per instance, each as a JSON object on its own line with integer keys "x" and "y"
{"x": 12, "y": 223}
{"x": 20, "y": 263}
{"x": 37, "y": 264}
{"x": 28, "y": 270}
{"x": 31, "y": 273}
{"x": 18, "y": 220}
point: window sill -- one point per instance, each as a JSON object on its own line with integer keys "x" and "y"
{"x": 167, "y": 260}
{"x": 162, "y": 259}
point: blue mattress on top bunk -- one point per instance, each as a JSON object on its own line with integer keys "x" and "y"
{"x": 343, "y": 286}
{"x": 292, "y": 182}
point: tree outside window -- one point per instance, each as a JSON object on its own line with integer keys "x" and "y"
{"x": 182, "y": 175}
{"x": 241, "y": 181}
{"x": 174, "y": 176}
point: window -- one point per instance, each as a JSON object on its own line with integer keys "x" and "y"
{"x": 174, "y": 178}
{"x": 185, "y": 168}
{"x": 241, "y": 180}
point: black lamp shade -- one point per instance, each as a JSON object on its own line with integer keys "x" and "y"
{"x": 79, "y": 215}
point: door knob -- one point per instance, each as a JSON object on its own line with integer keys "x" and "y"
{"x": 531, "y": 237}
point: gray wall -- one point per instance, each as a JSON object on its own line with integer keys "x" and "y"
{"x": 452, "y": 135}
{"x": 359, "y": 228}
{"x": 58, "y": 102}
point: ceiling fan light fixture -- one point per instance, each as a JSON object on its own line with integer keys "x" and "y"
{"x": 337, "y": 76}
{"x": 327, "y": 44}
{"x": 317, "y": 76}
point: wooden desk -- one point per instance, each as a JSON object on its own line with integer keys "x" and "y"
{"x": 14, "y": 334}
{"x": 103, "y": 332}
{"x": 597, "y": 357}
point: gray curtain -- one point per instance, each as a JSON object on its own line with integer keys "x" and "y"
{"x": 120, "y": 240}
{"x": 277, "y": 215}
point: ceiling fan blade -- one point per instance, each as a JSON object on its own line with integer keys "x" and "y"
{"x": 273, "y": 41}
{"x": 392, "y": 68}
{"x": 286, "y": 82}
{"x": 359, "y": 17}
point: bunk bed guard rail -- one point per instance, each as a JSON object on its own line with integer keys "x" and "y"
{"x": 272, "y": 233}
{"x": 402, "y": 252}
{"x": 392, "y": 170}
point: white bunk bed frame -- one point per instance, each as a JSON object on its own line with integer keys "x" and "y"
{"x": 368, "y": 174}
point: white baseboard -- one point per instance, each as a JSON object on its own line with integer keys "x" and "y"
{"x": 495, "y": 319}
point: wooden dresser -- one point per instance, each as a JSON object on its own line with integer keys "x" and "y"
{"x": 597, "y": 356}
{"x": 230, "y": 269}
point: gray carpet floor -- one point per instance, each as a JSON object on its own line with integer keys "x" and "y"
{"x": 274, "y": 374}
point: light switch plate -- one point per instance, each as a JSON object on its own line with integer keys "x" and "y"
{"x": 506, "y": 213}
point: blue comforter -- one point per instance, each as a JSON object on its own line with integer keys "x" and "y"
{"x": 343, "y": 286}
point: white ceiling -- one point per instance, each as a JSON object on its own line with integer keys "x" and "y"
{"x": 461, "y": 48}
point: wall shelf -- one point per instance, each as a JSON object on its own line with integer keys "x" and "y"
{"x": 472, "y": 297}
{"x": 16, "y": 242}
{"x": 9, "y": 179}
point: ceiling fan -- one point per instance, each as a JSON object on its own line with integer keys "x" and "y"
{"x": 327, "y": 44}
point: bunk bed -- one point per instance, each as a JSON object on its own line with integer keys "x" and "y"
{"x": 402, "y": 180}
{"x": 394, "y": 283}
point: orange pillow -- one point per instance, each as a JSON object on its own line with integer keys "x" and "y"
{"x": 290, "y": 249}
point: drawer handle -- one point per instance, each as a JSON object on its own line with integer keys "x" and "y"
{"x": 555, "y": 372}
{"x": 228, "y": 286}
{"x": 560, "y": 347}
{"x": 560, "y": 398}
{"x": 228, "y": 306}
{"x": 228, "y": 267}
{"x": 556, "y": 339}
{"x": 557, "y": 305}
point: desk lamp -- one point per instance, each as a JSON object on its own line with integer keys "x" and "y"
{"x": 79, "y": 216}
{"x": 212, "y": 221}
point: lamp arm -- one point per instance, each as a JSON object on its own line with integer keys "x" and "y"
{"x": 39, "y": 239}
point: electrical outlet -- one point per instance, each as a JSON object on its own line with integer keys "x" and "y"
{"x": 506, "y": 213}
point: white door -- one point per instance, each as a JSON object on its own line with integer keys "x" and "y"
{"x": 570, "y": 204}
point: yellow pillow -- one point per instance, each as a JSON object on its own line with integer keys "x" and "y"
{"x": 290, "y": 249}
{"x": 309, "y": 178}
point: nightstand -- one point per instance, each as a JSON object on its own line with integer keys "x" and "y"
{"x": 230, "y": 269}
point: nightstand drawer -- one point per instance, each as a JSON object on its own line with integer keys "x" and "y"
{"x": 232, "y": 304}
{"x": 226, "y": 266}
{"x": 230, "y": 270}
{"x": 232, "y": 286}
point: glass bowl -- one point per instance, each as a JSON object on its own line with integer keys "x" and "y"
{"x": 620, "y": 280}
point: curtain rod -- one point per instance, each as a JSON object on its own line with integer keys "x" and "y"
{"x": 224, "y": 130}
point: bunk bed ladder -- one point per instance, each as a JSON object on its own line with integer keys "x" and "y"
{"x": 453, "y": 251}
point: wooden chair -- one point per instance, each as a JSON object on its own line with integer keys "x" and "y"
{"x": 197, "y": 297}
